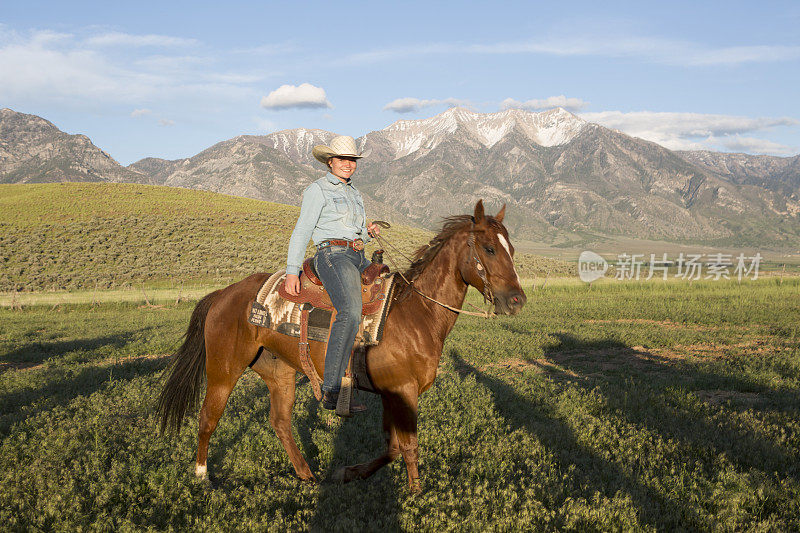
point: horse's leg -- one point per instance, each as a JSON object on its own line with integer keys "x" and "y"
{"x": 216, "y": 398}
{"x": 364, "y": 470}
{"x": 404, "y": 416}
{"x": 280, "y": 379}
{"x": 222, "y": 371}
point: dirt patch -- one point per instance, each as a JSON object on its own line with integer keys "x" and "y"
{"x": 718, "y": 396}
{"x": 755, "y": 346}
{"x": 16, "y": 366}
{"x": 668, "y": 324}
{"x": 515, "y": 364}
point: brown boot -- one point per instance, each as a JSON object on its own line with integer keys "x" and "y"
{"x": 329, "y": 400}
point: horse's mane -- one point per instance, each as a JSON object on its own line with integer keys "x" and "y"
{"x": 450, "y": 226}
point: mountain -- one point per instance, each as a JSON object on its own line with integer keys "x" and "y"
{"x": 558, "y": 172}
{"x": 275, "y": 167}
{"x": 418, "y": 137}
{"x": 565, "y": 180}
{"x": 34, "y": 150}
{"x": 781, "y": 174}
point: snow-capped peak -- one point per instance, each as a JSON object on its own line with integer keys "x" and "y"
{"x": 548, "y": 128}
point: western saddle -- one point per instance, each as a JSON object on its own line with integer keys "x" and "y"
{"x": 312, "y": 292}
{"x": 374, "y": 286}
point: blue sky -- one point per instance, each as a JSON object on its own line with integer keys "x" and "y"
{"x": 169, "y": 80}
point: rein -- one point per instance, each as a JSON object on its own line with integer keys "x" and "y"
{"x": 488, "y": 295}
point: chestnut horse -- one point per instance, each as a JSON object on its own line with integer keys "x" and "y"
{"x": 221, "y": 343}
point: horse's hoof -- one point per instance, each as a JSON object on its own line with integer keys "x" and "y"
{"x": 340, "y": 476}
{"x": 308, "y": 479}
{"x": 201, "y": 472}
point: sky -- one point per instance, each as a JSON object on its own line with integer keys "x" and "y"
{"x": 169, "y": 79}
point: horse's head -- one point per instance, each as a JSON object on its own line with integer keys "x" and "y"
{"x": 488, "y": 264}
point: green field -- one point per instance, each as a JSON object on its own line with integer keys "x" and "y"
{"x": 95, "y": 236}
{"x": 629, "y": 406}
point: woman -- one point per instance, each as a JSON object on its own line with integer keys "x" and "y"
{"x": 332, "y": 215}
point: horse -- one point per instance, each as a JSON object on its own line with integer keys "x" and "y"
{"x": 220, "y": 344}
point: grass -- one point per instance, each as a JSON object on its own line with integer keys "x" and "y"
{"x": 627, "y": 406}
{"x": 95, "y": 236}
{"x": 152, "y": 295}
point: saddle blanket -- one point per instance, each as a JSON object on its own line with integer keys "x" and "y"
{"x": 271, "y": 311}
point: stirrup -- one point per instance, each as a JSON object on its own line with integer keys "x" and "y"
{"x": 343, "y": 400}
{"x": 331, "y": 399}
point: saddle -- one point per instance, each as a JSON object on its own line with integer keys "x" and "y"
{"x": 374, "y": 289}
{"x": 312, "y": 292}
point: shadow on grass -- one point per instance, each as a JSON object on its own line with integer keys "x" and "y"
{"x": 593, "y": 473}
{"x": 645, "y": 389}
{"x": 305, "y": 426}
{"x": 360, "y": 505}
{"x": 63, "y": 385}
{"x": 37, "y": 353}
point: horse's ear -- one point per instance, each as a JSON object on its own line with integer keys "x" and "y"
{"x": 500, "y": 214}
{"x": 479, "y": 215}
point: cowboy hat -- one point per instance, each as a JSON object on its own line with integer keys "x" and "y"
{"x": 342, "y": 146}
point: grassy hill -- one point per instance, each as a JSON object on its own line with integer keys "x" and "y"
{"x": 101, "y": 235}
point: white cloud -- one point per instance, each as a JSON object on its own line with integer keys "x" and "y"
{"x": 407, "y": 105}
{"x": 695, "y": 131}
{"x": 570, "y": 104}
{"x": 144, "y": 112}
{"x": 49, "y": 66}
{"x": 46, "y": 37}
{"x": 649, "y": 49}
{"x": 300, "y": 96}
{"x": 127, "y": 39}
{"x": 388, "y": 54}
{"x": 737, "y": 143}
{"x": 733, "y": 55}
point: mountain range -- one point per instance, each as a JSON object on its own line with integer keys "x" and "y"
{"x": 564, "y": 179}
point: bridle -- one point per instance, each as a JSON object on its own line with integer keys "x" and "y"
{"x": 488, "y": 295}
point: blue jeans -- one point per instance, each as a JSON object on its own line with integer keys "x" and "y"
{"x": 339, "y": 268}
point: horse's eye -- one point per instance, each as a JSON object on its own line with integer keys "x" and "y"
{"x": 489, "y": 249}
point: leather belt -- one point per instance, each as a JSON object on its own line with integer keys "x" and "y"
{"x": 356, "y": 245}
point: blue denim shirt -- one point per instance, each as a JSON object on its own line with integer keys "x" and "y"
{"x": 331, "y": 209}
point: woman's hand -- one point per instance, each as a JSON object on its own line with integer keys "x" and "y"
{"x": 373, "y": 229}
{"x": 292, "y": 284}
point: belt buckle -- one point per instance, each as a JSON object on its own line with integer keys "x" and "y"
{"x": 323, "y": 244}
{"x": 358, "y": 245}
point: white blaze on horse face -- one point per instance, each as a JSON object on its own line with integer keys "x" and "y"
{"x": 201, "y": 471}
{"x": 504, "y": 242}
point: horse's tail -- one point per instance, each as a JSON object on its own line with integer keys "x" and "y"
{"x": 186, "y": 371}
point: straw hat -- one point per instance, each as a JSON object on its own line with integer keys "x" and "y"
{"x": 340, "y": 146}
